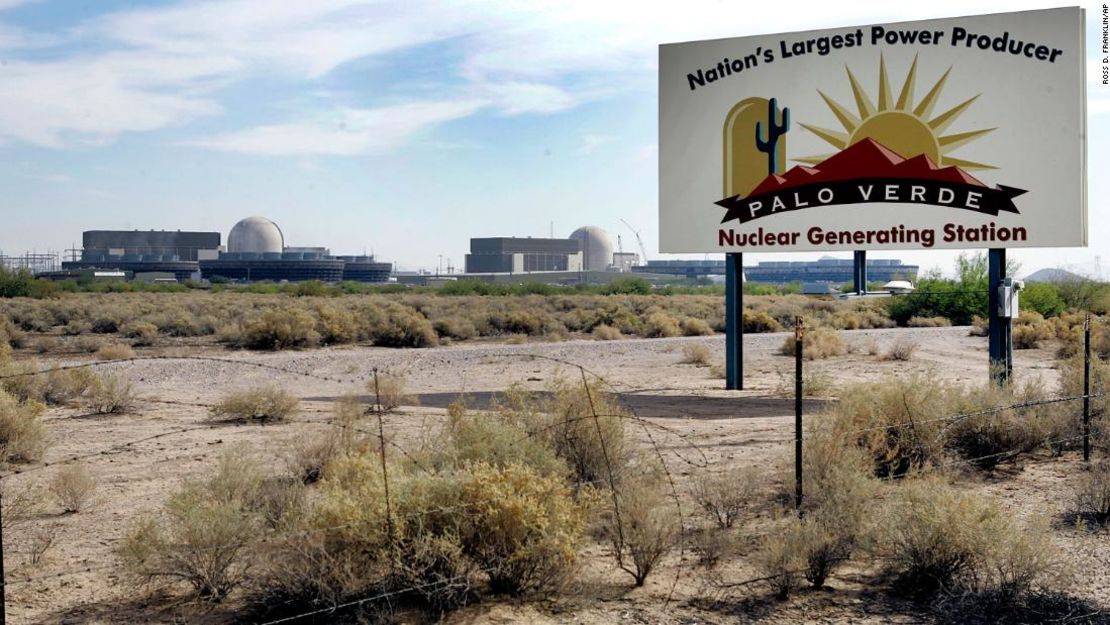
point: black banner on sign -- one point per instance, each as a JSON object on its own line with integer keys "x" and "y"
{"x": 970, "y": 197}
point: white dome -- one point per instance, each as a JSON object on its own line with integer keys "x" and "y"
{"x": 255, "y": 234}
{"x": 597, "y": 249}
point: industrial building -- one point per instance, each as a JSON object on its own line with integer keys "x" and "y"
{"x": 523, "y": 255}
{"x": 587, "y": 249}
{"x": 256, "y": 251}
{"x": 831, "y": 270}
{"x": 825, "y": 270}
{"x": 152, "y": 245}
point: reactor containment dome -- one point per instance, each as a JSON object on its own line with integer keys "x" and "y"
{"x": 597, "y": 249}
{"x": 256, "y": 235}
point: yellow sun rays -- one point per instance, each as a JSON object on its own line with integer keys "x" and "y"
{"x": 900, "y": 125}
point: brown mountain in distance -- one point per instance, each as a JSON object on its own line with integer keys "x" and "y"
{"x": 866, "y": 159}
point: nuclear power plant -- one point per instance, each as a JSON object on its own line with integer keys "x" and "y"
{"x": 587, "y": 249}
{"x": 256, "y": 251}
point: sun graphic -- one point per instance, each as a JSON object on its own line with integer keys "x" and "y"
{"x": 899, "y": 125}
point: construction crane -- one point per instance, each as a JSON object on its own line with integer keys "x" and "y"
{"x": 643, "y": 250}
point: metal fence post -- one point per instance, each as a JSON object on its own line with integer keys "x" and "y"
{"x": 1087, "y": 388}
{"x": 799, "y": 335}
{"x": 3, "y": 579}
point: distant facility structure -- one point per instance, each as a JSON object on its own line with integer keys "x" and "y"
{"x": 523, "y": 255}
{"x": 588, "y": 249}
{"x": 256, "y": 251}
{"x": 831, "y": 270}
{"x": 597, "y": 249}
{"x": 826, "y": 270}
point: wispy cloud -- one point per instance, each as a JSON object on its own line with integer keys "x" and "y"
{"x": 150, "y": 68}
{"x": 347, "y": 132}
{"x": 591, "y": 142}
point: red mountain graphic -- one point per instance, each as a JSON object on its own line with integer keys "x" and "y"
{"x": 865, "y": 159}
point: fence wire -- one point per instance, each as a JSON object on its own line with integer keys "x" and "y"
{"x": 700, "y": 459}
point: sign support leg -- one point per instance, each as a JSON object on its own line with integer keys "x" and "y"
{"x": 859, "y": 272}
{"x": 999, "y": 328}
{"x": 734, "y": 322}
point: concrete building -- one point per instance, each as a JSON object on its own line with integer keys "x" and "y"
{"x": 256, "y": 252}
{"x": 827, "y": 270}
{"x": 144, "y": 245}
{"x": 831, "y": 270}
{"x": 523, "y": 255}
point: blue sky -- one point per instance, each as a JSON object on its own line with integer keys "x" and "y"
{"x": 399, "y": 127}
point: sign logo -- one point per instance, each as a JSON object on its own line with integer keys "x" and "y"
{"x": 893, "y": 151}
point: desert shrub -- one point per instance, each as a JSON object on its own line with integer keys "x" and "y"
{"x": 73, "y": 486}
{"x": 500, "y": 439}
{"x": 723, "y": 496}
{"x": 524, "y": 527}
{"x": 59, "y": 387}
{"x": 641, "y": 524}
{"x": 42, "y": 539}
{"x": 901, "y": 349}
{"x": 77, "y": 327}
{"x": 718, "y": 371}
{"x": 205, "y": 536}
{"x": 143, "y": 332}
{"x": 106, "y": 324}
{"x": 1071, "y": 385}
{"x": 1092, "y": 494}
{"x": 928, "y": 322}
{"x": 18, "y": 505}
{"x": 1030, "y": 329}
{"x": 117, "y": 351}
{"x": 310, "y": 455}
{"x": 712, "y": 544}
{"x": 758, "y": 321}
{"x": 1043, "y": 298}
{"x": 585, "y": 427}
{"x": 110, "y": 394}
{"x": 995, "y": 432}
{"x": 458, "y": 328}
{"x": 516, "y": 526}
{"x": 817, "y": 343}
{"x": 22, "y": 434}
{"x": 839, "y": 495}
{"x": 387, "y": 391}
{"x": 264, "y": 405}
{"x": 336, "y": 326}
{"x": 780, "y": 558}
{"x": 603, "y": 332}
{"x": 660, "y": 324}
{"x": 979, "y": 327}
{"x": 938, "y": 538}
{"x": 898, "y": 421}
{"x": 695, "y": 354}
{"x": 88, "y": 345}
{"x": 692, "y": 326}
{"x": 395, "y": 325}
{"x": 280, "y": 329}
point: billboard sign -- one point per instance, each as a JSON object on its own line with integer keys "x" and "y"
{"x": 950, "y": 133}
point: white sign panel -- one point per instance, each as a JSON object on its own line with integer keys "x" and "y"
{"x": 952, "y": 133}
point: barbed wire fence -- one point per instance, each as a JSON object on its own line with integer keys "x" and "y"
{"x": 695, "y": 458}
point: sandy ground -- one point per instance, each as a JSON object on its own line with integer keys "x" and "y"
{"x": 140, "y": 458}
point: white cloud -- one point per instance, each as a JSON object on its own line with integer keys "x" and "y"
{"x": 145, "y": 69}
{"x": 349, "y": 132}
{"x": 591, "y": 142}
{"x": 515, "y": 98}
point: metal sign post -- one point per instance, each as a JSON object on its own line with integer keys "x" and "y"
{"x": 999, "y": 328}
{"x": 734, "y": 322}
{"x": 859, "y": 272}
